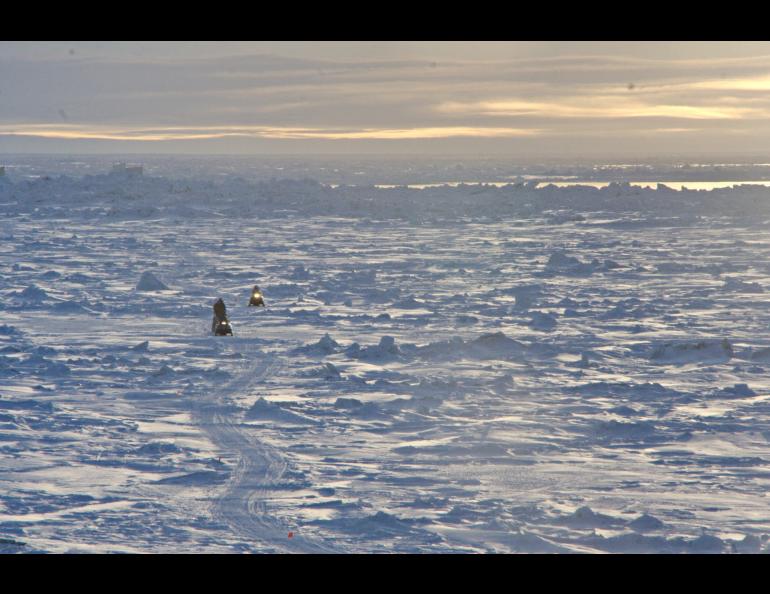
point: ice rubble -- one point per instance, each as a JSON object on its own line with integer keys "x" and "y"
{"x": 328, "y": 371}
{"x": 562, "y": 263}
{"x": 646, "y": 523}
{"x": 736, "y": 391}
{"x": 263, "y": 410}
{"x": 542, "y": 321}
{"x": 386, "y": 349}
{"x": 326, "y": 345}
{"x": 150, "y": 197}
{"x": 693, "y": 351}
{"x": 149, "y": 282}
{"x": 739, "y": 286}
{"x": 586, "y": 518}
{"x": 495, "y": 345}
{"x": 31, "y": 293}
{"x": 142, "y": 347}
{"x": 760, "y": 354}
{"x": 525, "y": 296}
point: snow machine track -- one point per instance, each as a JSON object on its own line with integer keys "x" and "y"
{"x": 242, "y": 504}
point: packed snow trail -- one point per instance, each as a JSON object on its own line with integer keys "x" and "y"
{"x": 260, "y": 466}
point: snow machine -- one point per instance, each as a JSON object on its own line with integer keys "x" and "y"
{"x": 222, "y": 328}
{"x": 256, "y": 297}
{"x": 220, "y": 325}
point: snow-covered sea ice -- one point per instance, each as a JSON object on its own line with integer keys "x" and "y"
{"x": 447, "y": 369}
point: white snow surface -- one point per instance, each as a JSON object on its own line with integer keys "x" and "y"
{"x": 448, "y": 369}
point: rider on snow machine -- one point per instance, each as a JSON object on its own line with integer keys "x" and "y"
{"x": 220, "y": 325}
{"x": 256, "y": 297}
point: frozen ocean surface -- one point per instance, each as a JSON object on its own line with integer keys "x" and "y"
{"x": 448, "y": 369}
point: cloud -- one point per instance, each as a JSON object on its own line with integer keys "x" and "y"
{"x": 188, "y": 93}
{"x": 418, "y": 133}
{"x": 210, "y": 132}
{"x": 597, "y": 107}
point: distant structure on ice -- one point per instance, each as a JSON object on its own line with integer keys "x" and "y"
{"x": 127, "y": 170}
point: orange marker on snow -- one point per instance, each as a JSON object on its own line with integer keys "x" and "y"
{"x": 291, "y": 535}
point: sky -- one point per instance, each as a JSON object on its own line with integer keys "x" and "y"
{"x": 518, "y": 99}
